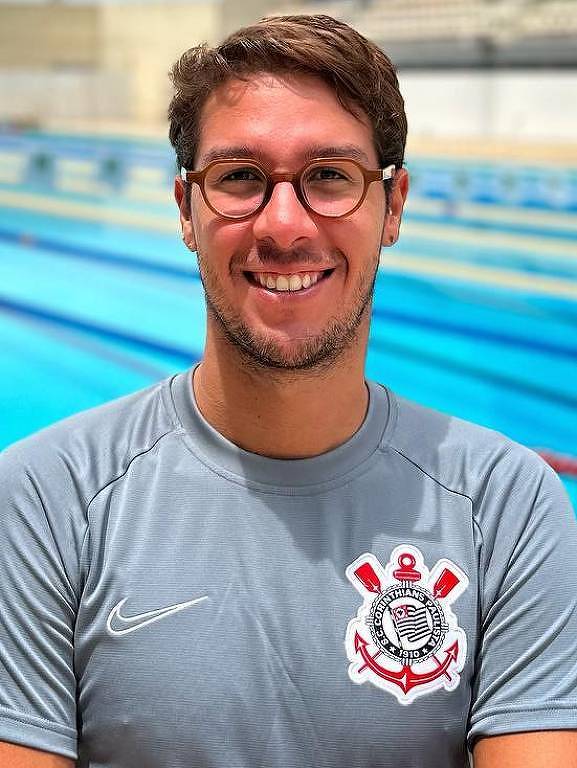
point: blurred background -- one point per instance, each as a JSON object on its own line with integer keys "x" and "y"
{"x": 476, "y": 306}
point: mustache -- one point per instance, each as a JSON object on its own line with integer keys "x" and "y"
{"x": 268, "y": 253}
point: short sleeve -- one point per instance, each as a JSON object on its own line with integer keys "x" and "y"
{"x": 39, "y": 556}
{"x": 526, "y": 660}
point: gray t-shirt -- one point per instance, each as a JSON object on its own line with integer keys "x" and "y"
{"x": 168, "y": 599}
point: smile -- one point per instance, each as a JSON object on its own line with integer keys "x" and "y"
{"x": 273, "y": 281}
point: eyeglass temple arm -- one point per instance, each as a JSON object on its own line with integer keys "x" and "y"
{"x": 388, "y": 172}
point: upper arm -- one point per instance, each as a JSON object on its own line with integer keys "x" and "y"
{"x": 540, "y": 749}
{"x": 525, "y": 677}
{"x": 38, "y": 593}
{"x": 24, "y": 757}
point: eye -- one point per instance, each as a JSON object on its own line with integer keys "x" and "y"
{"x": 326, "y": 173}
{"x": 240, "y": 174}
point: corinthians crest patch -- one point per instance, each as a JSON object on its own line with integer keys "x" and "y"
{"x": 405, "y": 638}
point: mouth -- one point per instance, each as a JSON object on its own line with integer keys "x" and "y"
{"x": 296, "y": 282}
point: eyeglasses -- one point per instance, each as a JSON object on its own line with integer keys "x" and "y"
{"x": 331, "y": 187}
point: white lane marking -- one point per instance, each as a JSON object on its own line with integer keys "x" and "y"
{"x": 538, "y": 284}
{"x": 461, "y": 234}
{"x": 88, "y": 211}
{"x": 550, "y": 219}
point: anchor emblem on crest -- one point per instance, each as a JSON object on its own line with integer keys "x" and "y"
{"x": 405, "y": 638}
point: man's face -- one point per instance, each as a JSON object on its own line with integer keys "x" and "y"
{"x": 281, "y": 123}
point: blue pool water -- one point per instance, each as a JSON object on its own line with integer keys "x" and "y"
{"x": 475, "y": 309}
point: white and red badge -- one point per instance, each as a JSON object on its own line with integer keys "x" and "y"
{"x": 405, "y": 638}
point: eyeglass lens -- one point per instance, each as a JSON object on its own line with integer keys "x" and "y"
{"x": 238, "y": 188}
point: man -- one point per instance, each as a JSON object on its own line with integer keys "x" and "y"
{"x": 268, "y": 561}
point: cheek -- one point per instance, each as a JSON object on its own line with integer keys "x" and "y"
{"x": 360, "y": 241}
{"x": 219, "y": 239}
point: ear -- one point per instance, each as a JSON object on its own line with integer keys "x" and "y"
{"x": 396, "y": 204}
{"x": 184, "y": 206}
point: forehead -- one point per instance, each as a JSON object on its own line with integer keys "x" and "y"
{"x": 281, "y": 120}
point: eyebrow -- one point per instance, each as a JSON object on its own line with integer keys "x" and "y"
{"x": 342, "y": 150}
{"x": 320, "y": 150}
{"x": 225, "y": 153}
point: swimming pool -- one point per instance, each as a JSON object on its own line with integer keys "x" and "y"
{"x": 475, "y": 308}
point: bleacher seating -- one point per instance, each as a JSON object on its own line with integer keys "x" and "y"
{"x": 487, "y": 23}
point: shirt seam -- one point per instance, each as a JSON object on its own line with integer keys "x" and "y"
{"x": 474, "y": 521}
{"x": 127, "y": 467}
{"x": 173, "y": 425}
{"x": 86, "y": 539}
{"x": 168, "y": 404}
{"x": 55, "y": 542}
{"x": 551, "y": 706}
{"x": 429, "y": 475}
{"x": 87, "y": 504}
{"x": 38, "y": 722}
{"x": 310, "y": 489}
{"x": 506, "y": 721}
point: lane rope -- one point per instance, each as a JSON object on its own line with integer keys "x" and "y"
{"x": 563, "y": 464}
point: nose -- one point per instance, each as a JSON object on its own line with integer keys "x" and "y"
{"x": 284, "y": 219}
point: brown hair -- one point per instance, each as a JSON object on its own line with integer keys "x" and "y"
{"x": 355, "y": 68}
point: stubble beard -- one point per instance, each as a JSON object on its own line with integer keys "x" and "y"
{"x": 315, "y": 353}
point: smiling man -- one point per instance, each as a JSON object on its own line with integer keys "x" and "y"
{"x": 268, "y": 560}
{"x": 287, "y": 218}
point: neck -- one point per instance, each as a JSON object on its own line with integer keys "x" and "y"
{"x": 282, "y": 414}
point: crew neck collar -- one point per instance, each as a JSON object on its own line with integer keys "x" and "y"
{"x": 227, "y": 458}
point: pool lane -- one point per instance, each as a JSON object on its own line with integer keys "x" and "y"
{"x": 90, "y": 310}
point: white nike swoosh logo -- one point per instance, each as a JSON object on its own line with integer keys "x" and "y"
{"x": 143, "y": 619}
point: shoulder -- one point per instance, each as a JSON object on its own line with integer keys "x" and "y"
{"x": 79, "y": 455}
{"x": 464, "y": 457}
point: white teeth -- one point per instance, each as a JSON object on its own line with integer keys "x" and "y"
{"x": 296, "y": 282}
{"x": 282, "y": 283}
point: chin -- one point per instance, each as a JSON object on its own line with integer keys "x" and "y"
{"x": 295, "y": 349}
{"x": 315, "y": 354}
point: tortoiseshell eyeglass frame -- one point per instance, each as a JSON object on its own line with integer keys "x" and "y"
{"x": 369, "y": 176}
